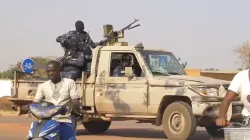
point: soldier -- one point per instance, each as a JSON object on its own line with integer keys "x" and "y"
{"x": 78, "y": 43}
{"x": 72, "y": 66}
{"x": 84, "y": 41}
{"x": 119, "y": 70}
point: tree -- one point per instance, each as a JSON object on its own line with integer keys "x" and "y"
{"x": 182, "y": 64}
{"x": 9, "y": 74}
{"x": 243, "y": 53}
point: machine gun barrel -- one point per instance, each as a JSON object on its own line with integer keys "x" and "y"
{"x": 134, "y": 26}
{"x": 128, "y": 27}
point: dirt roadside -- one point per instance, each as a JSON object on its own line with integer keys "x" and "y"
{"x": 119, "y": 130}
{"x": 5, "y": 104}
{"x": 5, "y": 107}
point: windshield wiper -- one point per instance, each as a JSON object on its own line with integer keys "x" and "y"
{"x": 174, "y": 73}
{"x": 156, "y": 72}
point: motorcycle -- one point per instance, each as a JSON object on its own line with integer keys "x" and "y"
{"x": 45, "y": 128}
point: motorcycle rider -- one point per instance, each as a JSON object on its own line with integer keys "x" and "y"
{"x": 79, "y": 43}
{"x": 60, "y": 91}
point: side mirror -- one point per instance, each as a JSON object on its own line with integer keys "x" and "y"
{"x": 129, "y": 72}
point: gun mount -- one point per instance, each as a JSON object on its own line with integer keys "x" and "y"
{"x": 112, "y": 37}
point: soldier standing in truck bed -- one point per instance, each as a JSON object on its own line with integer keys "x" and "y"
{"x": 79, "y": 44}
{"x": 84, "y": 40}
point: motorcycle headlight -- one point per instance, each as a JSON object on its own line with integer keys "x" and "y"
{"x": 48, "y": 113}
{"x": 35, "y": 112}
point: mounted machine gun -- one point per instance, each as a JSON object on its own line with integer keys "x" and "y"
{"x": 113, "y": 36}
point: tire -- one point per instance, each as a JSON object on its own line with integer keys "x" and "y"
{"x": 183, "y": 115}
{"x": 213, "y": 130}
{"x": 97, "y": 127}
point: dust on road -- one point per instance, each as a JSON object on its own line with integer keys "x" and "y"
{"x": 16, "y": 128}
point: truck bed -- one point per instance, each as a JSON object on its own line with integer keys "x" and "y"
{"x": 20, "y": 102}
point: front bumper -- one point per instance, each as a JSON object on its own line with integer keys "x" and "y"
{"x": 210, "y": 109}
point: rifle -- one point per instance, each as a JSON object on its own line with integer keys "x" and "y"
{"x": 128, "y": 27}
{"x": 68, "y": 54}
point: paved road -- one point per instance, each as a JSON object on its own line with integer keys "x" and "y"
{"x": 16, "y": 128}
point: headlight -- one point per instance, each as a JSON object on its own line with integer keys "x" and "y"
{"x": 48, "y": 113}
{"x": 209, "y": 91}
{"x": 35, "y": 112}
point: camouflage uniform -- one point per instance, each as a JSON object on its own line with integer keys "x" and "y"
{"x": 79, "y": 44}
{"x": 74, "y": 39}
{"x": 72, "y": 67}
{"x": 119, "y": 71}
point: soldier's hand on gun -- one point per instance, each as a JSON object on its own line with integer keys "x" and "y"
{"x": 63, "y": 61}
{"x": 222, "y": 122}
{"x": 101, "y": 42}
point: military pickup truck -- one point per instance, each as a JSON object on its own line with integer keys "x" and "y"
{"x": 155, "y": 89}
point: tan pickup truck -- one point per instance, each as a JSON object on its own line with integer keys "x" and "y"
{"x": 155, "y": 89}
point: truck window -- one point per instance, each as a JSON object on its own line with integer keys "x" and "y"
{"x": 160, "y": 62}
{"x": 116, "y": 61}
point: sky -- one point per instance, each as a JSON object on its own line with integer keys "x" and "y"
{"x": 201, "y": 32}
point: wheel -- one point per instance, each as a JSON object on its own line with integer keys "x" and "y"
{"x": 178, "y": 120}
{"x": 213, "y": 130}
{"x": 97, "y": 127}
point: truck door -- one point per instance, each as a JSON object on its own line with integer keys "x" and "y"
{"x": 128, "y": 95}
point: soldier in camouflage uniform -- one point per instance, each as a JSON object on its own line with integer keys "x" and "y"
{"x": 78, "y": 43}
{"x": 119, "y": 70}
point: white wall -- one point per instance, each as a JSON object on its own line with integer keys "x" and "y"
{"x": 5, "y": 88}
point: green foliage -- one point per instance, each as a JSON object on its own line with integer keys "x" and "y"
{"x": 182, "y": 64}
{"x": 9, "y": 74}
{"x": 243, "y": 54}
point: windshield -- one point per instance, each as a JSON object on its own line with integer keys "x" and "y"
{"x": 162, "y": 63}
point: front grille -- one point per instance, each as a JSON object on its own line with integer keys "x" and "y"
{"x": 237, "y": 109}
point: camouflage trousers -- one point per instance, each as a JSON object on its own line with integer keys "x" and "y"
{"x": 71, "y": 75}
